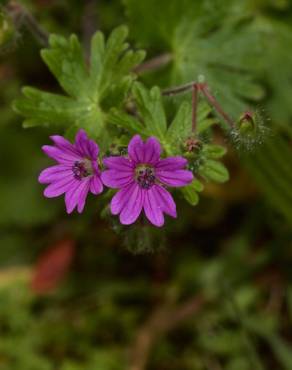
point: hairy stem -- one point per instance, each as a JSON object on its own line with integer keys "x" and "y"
{"x": 196, "y": 88}
{"x": 179, "y": 89}
{"x": 212, "y": 100}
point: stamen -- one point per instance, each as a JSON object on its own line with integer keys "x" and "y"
{"x": 82, "y": 169}
{"x": 145, "y": 176}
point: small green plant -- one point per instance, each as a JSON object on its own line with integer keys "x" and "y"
{"x": 104, "y": 100}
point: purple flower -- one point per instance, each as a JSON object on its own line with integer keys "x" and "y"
{"x": 141, "y": 178}
{"x": 75, "y": 174}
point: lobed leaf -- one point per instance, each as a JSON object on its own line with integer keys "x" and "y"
{"x": 91, "y": 89}
{"x": 150, "y": 106}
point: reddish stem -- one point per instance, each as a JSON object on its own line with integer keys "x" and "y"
{"x": 179, "y": 89}
{"x": 196, "y": 88}
{"x": 215, "y": 104}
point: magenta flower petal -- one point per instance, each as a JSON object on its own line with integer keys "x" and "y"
{"x": 93, "y": 149}
{"x": 81, "y": 140}
{"x": 165, "y": 200}
{"x": 171, "y": 163}
{"x": 120, "y": 198}
{"x": 116, "y": 179}
{"x": 54, "y": 173}
{"x": 59, "y": 155}
{"x": 136, "y": 149}
{"x": 65, "y": 145}
{"x": 59, "y": 187}
{"x": 69, "y": 198}
{"x": 87, "y": 147}
{"x": 77, "y": 172}
{"x": 175, "y": 178}
{"x": 152, "y": 151}
{"x": 82, "y": 196}
{"x": 96, "y": 186}
{"x": 140, "y": 178}
{"x": 73, "y": 195}
{"x": 133, "y": 207}
{"x": 153, "y": 209}
{"x": 119, "y": 163}
{"x": 144, "y": 153}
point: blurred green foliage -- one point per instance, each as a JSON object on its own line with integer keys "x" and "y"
{"x": 233, "y": 249}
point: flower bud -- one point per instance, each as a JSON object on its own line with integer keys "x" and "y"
{"x": 246, "y": 123}
{"x": 192, "y": 145}
{"x": 192, "y": 148}
{"x": 250, "y": 130}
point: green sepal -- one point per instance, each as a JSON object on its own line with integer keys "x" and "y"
{"x": 214, "y": 151}
{"x": 214, "y": 171}
{"x": 190, "y": 192}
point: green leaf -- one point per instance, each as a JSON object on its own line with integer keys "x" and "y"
{"x": 150, "y": 106}
{"x": 124, "y": 120}
{"x": 151, "y": 117}
{"x": 65, "y": 60}
{"x": 57, "y": 110}
{"x": 273, "y": 173}
{"x": 180, "y": 127}
{"x": 229, "y": 77}
{"x": 155, "y": 31}
{"x": 91, "y": 90}
{"x": 204, "y": 122}
{"x": 204, "y": 42}
{"x": 111, "y": 63}
{"x": 197, "y": 185}
{"x": 274, "y": 36}
{"x": 214, "y": 151}
{"x": 190, "y": 192}
{"x": 214, "y": 171}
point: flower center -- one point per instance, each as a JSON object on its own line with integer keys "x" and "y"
{"x": 82, "y": 169}
{"x": 145, "y": 176}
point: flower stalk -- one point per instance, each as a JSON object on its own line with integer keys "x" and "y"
{"x": 214, "y": 102}
{"x": 203, "y": 88}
